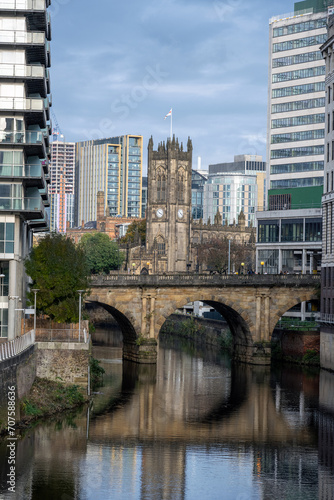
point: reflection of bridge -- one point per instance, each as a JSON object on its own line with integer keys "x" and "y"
{"x": 251, "y": 305}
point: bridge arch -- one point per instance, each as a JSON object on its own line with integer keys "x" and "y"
{"x": 289, "y": 302}
{"x": 238, "y": 320}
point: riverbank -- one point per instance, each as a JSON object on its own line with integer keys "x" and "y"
{"x": 46, "y": 399}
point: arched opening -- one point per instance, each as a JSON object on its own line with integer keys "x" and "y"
{"x": 125, "y": 325}
{"x": 201, "y": 312}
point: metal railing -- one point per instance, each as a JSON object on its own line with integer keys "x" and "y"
{"x": 326, "y": 318}
{"x": 23, "y": 4}
{"x": 14, "y": 347}
{"x": 62, "y": 335}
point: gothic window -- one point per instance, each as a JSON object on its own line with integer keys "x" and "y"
{"x": 160, "y": 245}
{"x": 181, "y": 177}
{"x": 161, "y": 186}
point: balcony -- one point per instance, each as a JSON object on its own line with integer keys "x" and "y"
{"x": 35, "y": 10}
{"x": 36, "y": 77}
{"x": 30, "y": 175}
{"x": 28, "y": 207}
{"x": 33, "y": 141}
{"x": 34, "y": 106}
{"x": 34, "y": 42}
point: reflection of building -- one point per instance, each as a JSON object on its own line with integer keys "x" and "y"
{"x": 62, "y": 185}
{"x": 24, "y": 142}
{"x": 114, "y": 166}
{"x": 235, "y": 187}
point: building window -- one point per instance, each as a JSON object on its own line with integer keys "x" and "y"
{"x": 268, "y": 231}
{"x": 292, "y": 230}
{"x": 161, "y": 187}
{"x": 279, "y": 201}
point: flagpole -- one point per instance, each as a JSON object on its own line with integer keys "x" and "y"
{"x": 171, "y": 125}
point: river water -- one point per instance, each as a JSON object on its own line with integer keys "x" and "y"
{"x": 196, "y": 426}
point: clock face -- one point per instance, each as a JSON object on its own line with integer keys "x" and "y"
{"x": 180, "y": 213}
{"x": 160, "y": 212}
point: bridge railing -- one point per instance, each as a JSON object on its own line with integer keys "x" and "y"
{"x": 62, "y": 335}
{"x": 14, "y": 347}
{"x": 169, "y": 279}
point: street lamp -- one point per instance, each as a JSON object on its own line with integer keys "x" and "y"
{"x": 148, "y": 267}
{"x": 133, "y": 268}
{"x": 262, "y": 264}
{"x": 35, "y": 290}
{"x": 242, "y": 267}
{"x": 80, "y": 292}
{"x": 229, "y": 257}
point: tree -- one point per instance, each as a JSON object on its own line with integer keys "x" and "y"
{"x": 102, "y": 254}
{"x": 58, "y": 269}
{"x": 213, "y": 254}
{"x": 136, "y": 232}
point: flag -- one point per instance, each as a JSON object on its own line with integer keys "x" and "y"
{"x": 168, "y": 114}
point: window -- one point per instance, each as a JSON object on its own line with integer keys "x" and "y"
{"x": 279, "y": 201}
{"x": 298, "y": 105}
{"x": 299, "y": 27}
{"x": 292, "y": 230}
{"x": 268, "y": 231}
{"x": 305, "y": 135}
{"x": 295, "y": 121}
{"x": 296, "y": 167}
{"x": 6, "y": 237}
{"x": 299, "y": 73}
{"x": 294, "y": 183}
{"x": 299, "y": 43}
{"x": 297, "y": 59}
{"x": 298, "y": 89}
{"x": 303, "y": 151}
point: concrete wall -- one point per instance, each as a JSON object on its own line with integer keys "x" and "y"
{"x": 64, "y": 362}
{"x": 326, "y": 349}
{"x": 20, "y": 372}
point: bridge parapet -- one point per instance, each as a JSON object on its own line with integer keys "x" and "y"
{"x": 253, "y": 280}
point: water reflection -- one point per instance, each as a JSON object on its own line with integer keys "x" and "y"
{"x": 194, "y": 426}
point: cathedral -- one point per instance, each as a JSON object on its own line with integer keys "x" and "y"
{"x": 171, "y": 235}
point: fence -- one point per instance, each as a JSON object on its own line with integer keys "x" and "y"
{"x": 16, "y": 346}
{"x": 61, "y": 335}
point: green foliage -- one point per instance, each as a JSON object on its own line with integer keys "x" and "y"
{"x": 96, "y": 372}
{"x": 29, "y": 409}
{"x": 58, "y": 269}
{"x": 190, "y": 328}
{"x": 136, "y": 232}
{"x": 101, "y": 252}
{"x": 311, "y": 357}
{"x": 226, "y": 341}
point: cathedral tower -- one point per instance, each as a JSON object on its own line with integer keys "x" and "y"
{"x": 168, "y": 211}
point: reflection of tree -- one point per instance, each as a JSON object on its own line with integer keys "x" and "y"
{"x": 213, "y": 255}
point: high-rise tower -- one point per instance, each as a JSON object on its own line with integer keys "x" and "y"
{"x": 25, "y": 36}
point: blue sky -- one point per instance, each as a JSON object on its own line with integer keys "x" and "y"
{"x": 118, "y": 68}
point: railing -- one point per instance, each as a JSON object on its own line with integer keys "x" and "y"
{"x": 27, "y": 137}
{"x": 291, "y": 15}
{"x": 16, "y": 346}
{"x": 291, "y": 280}
{"x": 21, "y": 171}
{"x": 18, "y": 204}
{"x": 62, "y": 335}
{"x": 326, "y": 318}
{"x": 22, "y": 103}
{"x": 23, "y": 70}
{"x": 25, "y": 37}
{"x": 23, "y": 4}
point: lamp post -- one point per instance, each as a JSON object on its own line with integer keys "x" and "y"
{"x": 229, "y": 257}
{"x": 133, "y": 268}
{"x": 80, "y": 292}
{"x": 262, "y": 264}
{"x": 242, "y": 267}
{"x": 35, "y": 290}
{"x": 148, "y": 267}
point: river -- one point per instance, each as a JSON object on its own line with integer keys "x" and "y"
{"x": 196, "y": 426}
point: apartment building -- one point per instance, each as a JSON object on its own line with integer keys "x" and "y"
{"x": 62, "y": 185}
{"x": 114, "y": 166}
{"x": 25, "y": 36}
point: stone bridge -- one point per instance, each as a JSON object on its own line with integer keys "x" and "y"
{"x": 251, "y": 305}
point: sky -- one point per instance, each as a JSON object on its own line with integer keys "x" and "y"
{"x": 119, "y": 67}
